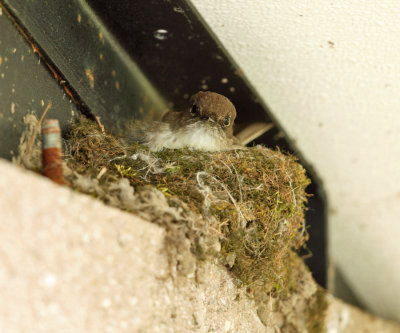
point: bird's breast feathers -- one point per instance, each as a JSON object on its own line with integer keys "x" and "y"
{"x": 198, "y": 135}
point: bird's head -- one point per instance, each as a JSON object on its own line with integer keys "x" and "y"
{"x": 215, "y": 108}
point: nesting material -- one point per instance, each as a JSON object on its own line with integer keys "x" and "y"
{"x": 243, "y": 206}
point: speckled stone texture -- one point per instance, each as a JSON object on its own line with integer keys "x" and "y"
{"x": 68, "y": 263}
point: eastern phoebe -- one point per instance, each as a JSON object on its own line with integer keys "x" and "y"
{"x": 206, "y": 125}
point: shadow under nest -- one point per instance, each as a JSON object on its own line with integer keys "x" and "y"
{"x": 245, "y": 207}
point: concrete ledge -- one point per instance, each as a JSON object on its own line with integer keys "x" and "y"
{"x": 68, "y": 263}
{"x": 71, "y": 264}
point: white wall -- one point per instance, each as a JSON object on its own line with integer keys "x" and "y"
{"x": 330, "y": 71}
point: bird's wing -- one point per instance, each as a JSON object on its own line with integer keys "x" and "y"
{"x": 253, "y": 131}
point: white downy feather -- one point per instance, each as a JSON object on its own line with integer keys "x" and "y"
{"x": 196, "y": 136}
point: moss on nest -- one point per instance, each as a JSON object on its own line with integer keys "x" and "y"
{"x": 252, "y": 199}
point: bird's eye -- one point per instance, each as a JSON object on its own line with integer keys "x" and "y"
{"x": 194, "y": 109}
{"x": 227, "y": 120}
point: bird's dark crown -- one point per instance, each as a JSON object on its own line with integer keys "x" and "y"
{"x": 209, "y": 105}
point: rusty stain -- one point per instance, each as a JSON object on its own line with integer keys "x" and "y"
{"x": 113, "y": 73}
{"x": 1, "y": 60}
{"x": 35, "y": 49}
{"x": 69, "y": 92}
{"x": 101, "y": 56}
{"x": 117, "y": 85}
{"x": 79, "y": 18}
{"x": 55, "y": 74}
{"x": 90, "y": 77}
{"x": 101, "y": 37}
{"x": 141, "y": 110}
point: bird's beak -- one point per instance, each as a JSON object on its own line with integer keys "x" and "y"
{"x": 207, "y": 119}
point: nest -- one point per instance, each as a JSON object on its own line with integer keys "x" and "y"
{"x": 244, "y": 206}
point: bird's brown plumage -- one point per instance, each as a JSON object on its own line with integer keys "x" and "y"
{"x": 206, "y": 106}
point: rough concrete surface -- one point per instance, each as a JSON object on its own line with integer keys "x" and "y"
{"x": 68, "y": 263}
{"x": 71, "y": 264}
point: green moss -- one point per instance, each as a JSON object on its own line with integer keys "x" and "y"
{"x": 253, "y": 199}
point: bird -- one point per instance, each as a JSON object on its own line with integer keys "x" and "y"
{"x": 206, "y": 125}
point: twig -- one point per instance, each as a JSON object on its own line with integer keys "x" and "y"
{"x": 100, "y": 125}
{"x": 101, "y": 173}
{"x": 39, "y": 123}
